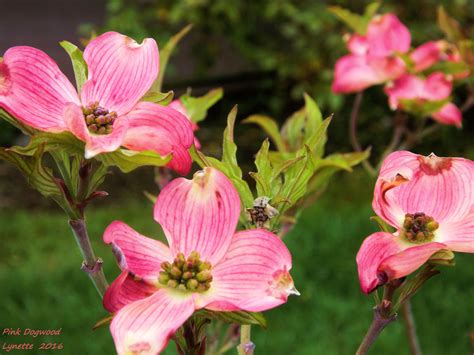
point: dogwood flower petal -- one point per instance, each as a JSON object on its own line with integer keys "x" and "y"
{"x": 162, "y": 129}
{"x": 458, "y": 236}
{"x": 426, "y": 55}
{"x": 145, "y": 326}
{"x": 383, "y": 257}
{"x": 253, "y": 275}
{"x": 120, "y": 71}
{"x": 33, "y": 89}
{"x": 199, "y": 214}
{"x": 409, "y": 183}
{"x": 136, "y": 253}
{"x": 387, "y": 35}
{"x": 449, "y": 114}
{"x": 124, "y": 290}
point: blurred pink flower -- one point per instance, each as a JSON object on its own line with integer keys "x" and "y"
{"x": 435, "y": 87}
{"x": 430, "y": 201}
{"x": 425, "y": 55}
{"x": 178, "y": 106}
{"x": 108, "y": 113}
{"x": 207, "y": 265}
{"x": 373, "y": 59}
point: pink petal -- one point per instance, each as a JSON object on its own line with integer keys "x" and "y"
{"x": 252, "y": 276}
{"x": 458, "y": 236}
{"x": 352, "y": 74}
{"x": 145, "y": 326}
{"x": 375, "y": 248}
{"x": 387, "y": 35}
{"x": 162, "y": 129}
{"x": 199, "y": 214}
{"x": 426, "y": 55}
{"x": 136, "y": 253}
{"x": 439, "y": 187}
{"x": 95, "y": 143}
{"x": 178, "y": 106}
{"x": 33, "y": 89}
{"x": 406, "y": 87}
{"x": 121, "y": 71}
{"x": 357, "y": 44}
{"x": 409, "y": 260}
{"x": 449, "y": 114}
{"x": 124, "y": 290}
{"x": 437, "y": 87}
{"x": 383, "y": 257}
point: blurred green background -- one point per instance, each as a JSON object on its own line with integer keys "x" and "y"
{"x": 265, "y": 54}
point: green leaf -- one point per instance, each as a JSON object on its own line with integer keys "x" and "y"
{"x": 63, "y": 141}
{"x": 317, "y": 140}
{"x": 356, "y": 22}
{"x": 371, "y": 10}
{"x": 16, "y": 123}
{"x": 451, "y": 28}
{"x": 197, "y": 107}
{"x": 78, "y": 63}
{"x": 412, "y": 285}
{"x": 294, "y": 130}
{"x": 449, "y": 67}
{"x": 443, "y": 257}
{"x": 466, "y": 49}
{"x": 270, "y": 127}
{"x": 128, "y": 160}
{"x": 162, "y": 98}
{"x": 384, "y": 226}
{"x": 165, "y": 54}
{"x": 238, "y": 317}
{"x": 423, "y": 109}
{"x": 264, "y": 172}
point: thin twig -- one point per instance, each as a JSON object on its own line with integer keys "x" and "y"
{"x": 353, "y": 132}
{"x": 410, "y": 328}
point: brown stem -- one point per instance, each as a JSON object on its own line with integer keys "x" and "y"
{"x": 410, "y": 328}
{"x": 399, "y": 128}
{"x": 353, "y": 131}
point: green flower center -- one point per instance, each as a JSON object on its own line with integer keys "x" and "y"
{"x": 191, "y": 274}
{"x": 98, "y": 119}
{"x": 418, "y": 228}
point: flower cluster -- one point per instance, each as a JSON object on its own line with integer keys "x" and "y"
{"x": 430, "y": 202}
{"x": 384, "y": 56}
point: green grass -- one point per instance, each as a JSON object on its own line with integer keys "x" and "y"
{"x": 42, "y": 287}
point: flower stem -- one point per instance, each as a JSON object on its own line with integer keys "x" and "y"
{"x": 383, "y": 316}
{"x": 353, "y": 132}
{"x": 91, "y": 265}
{"x": 410, "y": 328}
{"x": 246, "y": 346}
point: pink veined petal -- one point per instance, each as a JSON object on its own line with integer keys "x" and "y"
{"x": 124, "y": 290}
{"x": 199, "y": 214}
{"x": 449, "y": 114}
{"x": 252, "y": 276}
{"x": 161, "y": 129}
{"x": 357, "y": 44}
{"x": 426, "y": 55}
{"x": 121, "y": 71}
{"x": 352, "y": 74}
{"x": 178, "y": 106}
{"x": 458, "y": 236}
{"x": 437, "y": 87}
{"x": 397, "y": 168}
{"x": 145, "y": 326}
{"x": 136, "y": 253}
{"x": 408, "y": 260}
{"x": 375, "y": 248}
{"x": 387, "y": 35}
{"x": 439, "y": 187}
{"x": 95, "y": 143}
{"x": 33, "y": 89}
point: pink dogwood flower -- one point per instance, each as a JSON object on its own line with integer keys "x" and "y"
{"x": 108, "y": 112}
{"x": 435, "y": 87}
{"x": 430, "y": 201}
{"x": 373, "y": 59}
{"x": 178, "y": 106}
{"x": 207, "y": 264}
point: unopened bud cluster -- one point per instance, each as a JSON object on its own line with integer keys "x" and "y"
{"x": 418, "y": 227}
{"x": 98, "y": 119}
{"x": 189, "y": 274}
